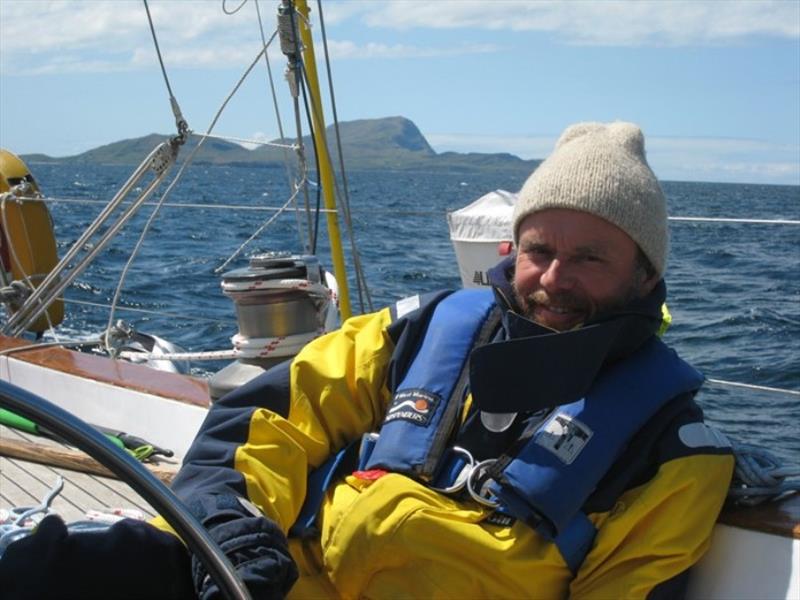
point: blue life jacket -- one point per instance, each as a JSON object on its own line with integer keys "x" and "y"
{"x": 556, "y": 464}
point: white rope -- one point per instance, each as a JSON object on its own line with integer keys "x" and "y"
{"x": 178, "y": 356}
{"x": 759, "y": 476}
{"x": 243, "y": 347}
{"x": 159, "y": 313}
{"x": 288, "y": 345}
{"x": 751, "y": 386}
{"x": 259, "y": 230}
{"x": 238, "y": 140}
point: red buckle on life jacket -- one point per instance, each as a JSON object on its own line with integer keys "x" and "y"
{"x": 370, "y": 475}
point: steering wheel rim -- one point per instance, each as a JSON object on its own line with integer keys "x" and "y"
{"x": 160, "y": 497}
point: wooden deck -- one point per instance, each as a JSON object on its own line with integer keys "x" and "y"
{"x": 24, "y": 483}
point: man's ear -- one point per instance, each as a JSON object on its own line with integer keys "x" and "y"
{"x": 649, "y": 284}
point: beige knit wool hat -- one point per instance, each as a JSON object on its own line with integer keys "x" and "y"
{"x": 601, "y": 169}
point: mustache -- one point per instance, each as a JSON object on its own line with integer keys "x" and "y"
{"x": 567, "y": 301}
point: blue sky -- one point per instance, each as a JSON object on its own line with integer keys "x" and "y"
{"x": 715, "y": 85}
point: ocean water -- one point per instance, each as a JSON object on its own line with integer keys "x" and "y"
{"x": 734, "y": 289}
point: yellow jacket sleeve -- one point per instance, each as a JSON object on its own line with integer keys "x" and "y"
{"x": 656, "y": 531}
{"x": 260, "y": 442}
{"x": 337, "y": 392}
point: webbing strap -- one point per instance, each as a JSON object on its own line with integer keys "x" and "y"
{"x": 576, "y": 540}
{"x": 319, "y": 481}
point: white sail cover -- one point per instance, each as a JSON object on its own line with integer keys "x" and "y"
{"x": 488, "y": 219}
{"x": 476, "y": 230}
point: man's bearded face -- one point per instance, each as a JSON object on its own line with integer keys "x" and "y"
{"x": 572, "y": 265}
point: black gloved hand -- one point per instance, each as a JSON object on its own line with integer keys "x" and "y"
{"x": 131, "y": 559}
{"x": 254, "y": 544}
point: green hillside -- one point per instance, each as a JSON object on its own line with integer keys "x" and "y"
{"x": 388, "y": 143}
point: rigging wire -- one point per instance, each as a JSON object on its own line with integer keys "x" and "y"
{"x": 192, "y": 205}
{"x": 305, "y": 94}
{"x": 751, "y": 386}
{"x": 172, "y": 185}
{"x": 394, "y": 212}
{"x": 286, "y": 163}
{"x": 74, "y": 262}
{"x": 255, "y": 234}
{"x": 360, "y": 279}
{"x": 235, "y": 10}
{"x": 180, "y": 122}
{"x": 279, "y": 210}
{"x": 156, "y": 313}
{"x": 239, "y": 140}
{"x": 291, "y": 49}
{"x": 735, "y": 220}
{"x": 158, "y": 49}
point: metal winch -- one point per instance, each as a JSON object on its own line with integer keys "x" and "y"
{"x": 282, "y": 301}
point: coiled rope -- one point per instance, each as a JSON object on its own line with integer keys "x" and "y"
{"x": 759, "y": 476}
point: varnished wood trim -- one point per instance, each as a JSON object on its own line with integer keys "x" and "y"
{"x": 779, "y": 518}
{"x": 120, "y": 373}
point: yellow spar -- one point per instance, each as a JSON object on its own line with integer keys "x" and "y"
{"x": 323, "y": 160}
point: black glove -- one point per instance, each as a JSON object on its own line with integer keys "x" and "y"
{"x": 254, "y": 544}
{"x": 131, "y": 559}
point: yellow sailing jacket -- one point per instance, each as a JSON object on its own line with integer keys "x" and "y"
{"x": 393, "y": 537}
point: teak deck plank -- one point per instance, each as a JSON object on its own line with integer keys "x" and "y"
{"x": 24, "y": 483}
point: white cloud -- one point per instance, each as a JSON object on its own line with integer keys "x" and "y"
{"x": 102, "y": 36}
{"x": 672, "y": 158}
{"x": 337, "y": 12}
{"x": 348, "y": 49}
{"x": 73, "y": 35}
{"x": 113, "y": 36}
{"x": 738, "y": 160}
{"x": 612, "y": 22}
{"x": 527, "y": 147}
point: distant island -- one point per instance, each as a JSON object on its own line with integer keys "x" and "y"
{"x": 393, "y": 143}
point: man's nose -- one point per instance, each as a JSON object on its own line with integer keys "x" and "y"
{"x": 556, "y": 277}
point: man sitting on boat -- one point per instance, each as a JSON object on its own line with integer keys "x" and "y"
{"x": 535, "y": 439}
